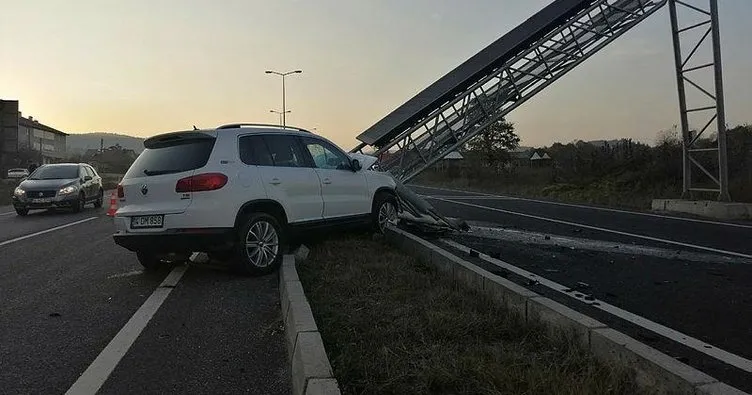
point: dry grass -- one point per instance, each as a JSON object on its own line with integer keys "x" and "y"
{"x": 392, "y": 325}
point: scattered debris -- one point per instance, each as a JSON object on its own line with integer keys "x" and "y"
{"x": 583, "y": 285}
{"x": 495, "y": 255}
{"x": 589, "y": 298}
{"x": 199, "y": 257}
{"x": 415, "y": 212}
{"x": 552, "y": 270}
{"x": 485, "y": 232}
{"x": 54, "y": 314}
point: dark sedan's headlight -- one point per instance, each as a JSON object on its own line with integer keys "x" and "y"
{"x": 67, "y": 190}
{"x": 19, "y": 192}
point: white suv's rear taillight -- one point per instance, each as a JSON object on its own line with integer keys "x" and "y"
{"x": 201, "y": 182}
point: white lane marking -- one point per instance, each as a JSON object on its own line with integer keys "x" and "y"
{"x": 468, "y": 197}
{"x": 453, "y": 190}
{"x": 92, "y": 379}
{"x": 6, "y": 242}
{"x": 618, "y": 232}
{"x": 705, "y": 348}
{"x": 127, "y": 274}
{"x": 613, "y": 210}
{"x": 8, "y": 213}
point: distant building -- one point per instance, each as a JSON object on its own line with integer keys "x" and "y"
{"x": 520, "y": 157}
{"x": 25, "y": 139}
{"x": 36, "y": 136}
{"x": 451, "y": 160}
{"x": 528, "y": 157}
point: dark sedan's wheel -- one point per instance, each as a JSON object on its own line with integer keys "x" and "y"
{"x": 100, "y": 200}
{"x": 78, "y": 205}
{"x": 260, "y": 245}
{"x": 22, "y": 211}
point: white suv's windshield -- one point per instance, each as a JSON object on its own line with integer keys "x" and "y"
{"x": 52, "y": 172}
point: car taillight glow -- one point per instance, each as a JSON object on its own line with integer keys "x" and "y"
{"x": 201, "y": 182}
{"x": 120, "y": 191}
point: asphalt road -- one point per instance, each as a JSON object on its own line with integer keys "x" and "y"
{"x": 70, "y": 295}
{"x": 67, "y": 291}
{"x": 691, "y": 275}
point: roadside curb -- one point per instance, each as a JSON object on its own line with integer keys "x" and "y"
{"x": 309, "y": 364}
{"x": 654, "y": 369}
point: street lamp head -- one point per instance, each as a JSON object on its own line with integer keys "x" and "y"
{"x": 268, "y": 72}
{"x": 298, "y": 71}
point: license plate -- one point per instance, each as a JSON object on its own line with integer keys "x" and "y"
{"x": 147, "y": 221}
{"x": 41, "y": 200}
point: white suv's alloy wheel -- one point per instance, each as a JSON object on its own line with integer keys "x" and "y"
{"x": 262, "y": 244}
{"x": 387, "y": 213}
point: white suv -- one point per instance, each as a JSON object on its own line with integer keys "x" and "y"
{"x": 240, "y": 192}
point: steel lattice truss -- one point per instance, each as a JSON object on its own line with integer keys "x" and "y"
{"x": 453, "y": 124}
{"x": 688, "y": 71}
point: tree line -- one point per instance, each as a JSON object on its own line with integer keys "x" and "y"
{"x": 622, "y": 166}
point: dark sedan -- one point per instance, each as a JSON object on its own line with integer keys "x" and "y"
{"x": 61, "y": 185}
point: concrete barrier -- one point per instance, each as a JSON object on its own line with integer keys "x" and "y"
{"x": 311, "y": 371}
{"x": 654, "y": 370}
{"x": 704, "y": 208}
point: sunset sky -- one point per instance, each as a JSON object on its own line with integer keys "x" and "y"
{"x": 142, "y": 67}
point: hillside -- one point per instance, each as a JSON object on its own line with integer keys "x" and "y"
{"x": 79, "y": 143}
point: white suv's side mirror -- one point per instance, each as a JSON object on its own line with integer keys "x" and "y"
{"x": 355, "y": 164}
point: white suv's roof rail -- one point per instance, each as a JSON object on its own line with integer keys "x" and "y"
{"x": 262, "y": 125}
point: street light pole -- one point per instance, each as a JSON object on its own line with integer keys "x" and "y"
{"x": 283, "y": 75}
{"x": 281, "y": 115}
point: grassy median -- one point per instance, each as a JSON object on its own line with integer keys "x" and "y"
{"x": 393, "y": 325}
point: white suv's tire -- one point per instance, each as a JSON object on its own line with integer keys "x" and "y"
{"x": 384, "y": 210}
{"x": 260, "y": 245}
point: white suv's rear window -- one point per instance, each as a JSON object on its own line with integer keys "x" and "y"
{"x": 172, "y": 157}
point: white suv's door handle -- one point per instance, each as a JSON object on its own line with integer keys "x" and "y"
{"x": 326, "y": 181}
{"x": 275, "y": 181}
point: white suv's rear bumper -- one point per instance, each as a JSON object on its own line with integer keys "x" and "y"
{"x": 177, "y": 240}
{"x": 198, "y": 228}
